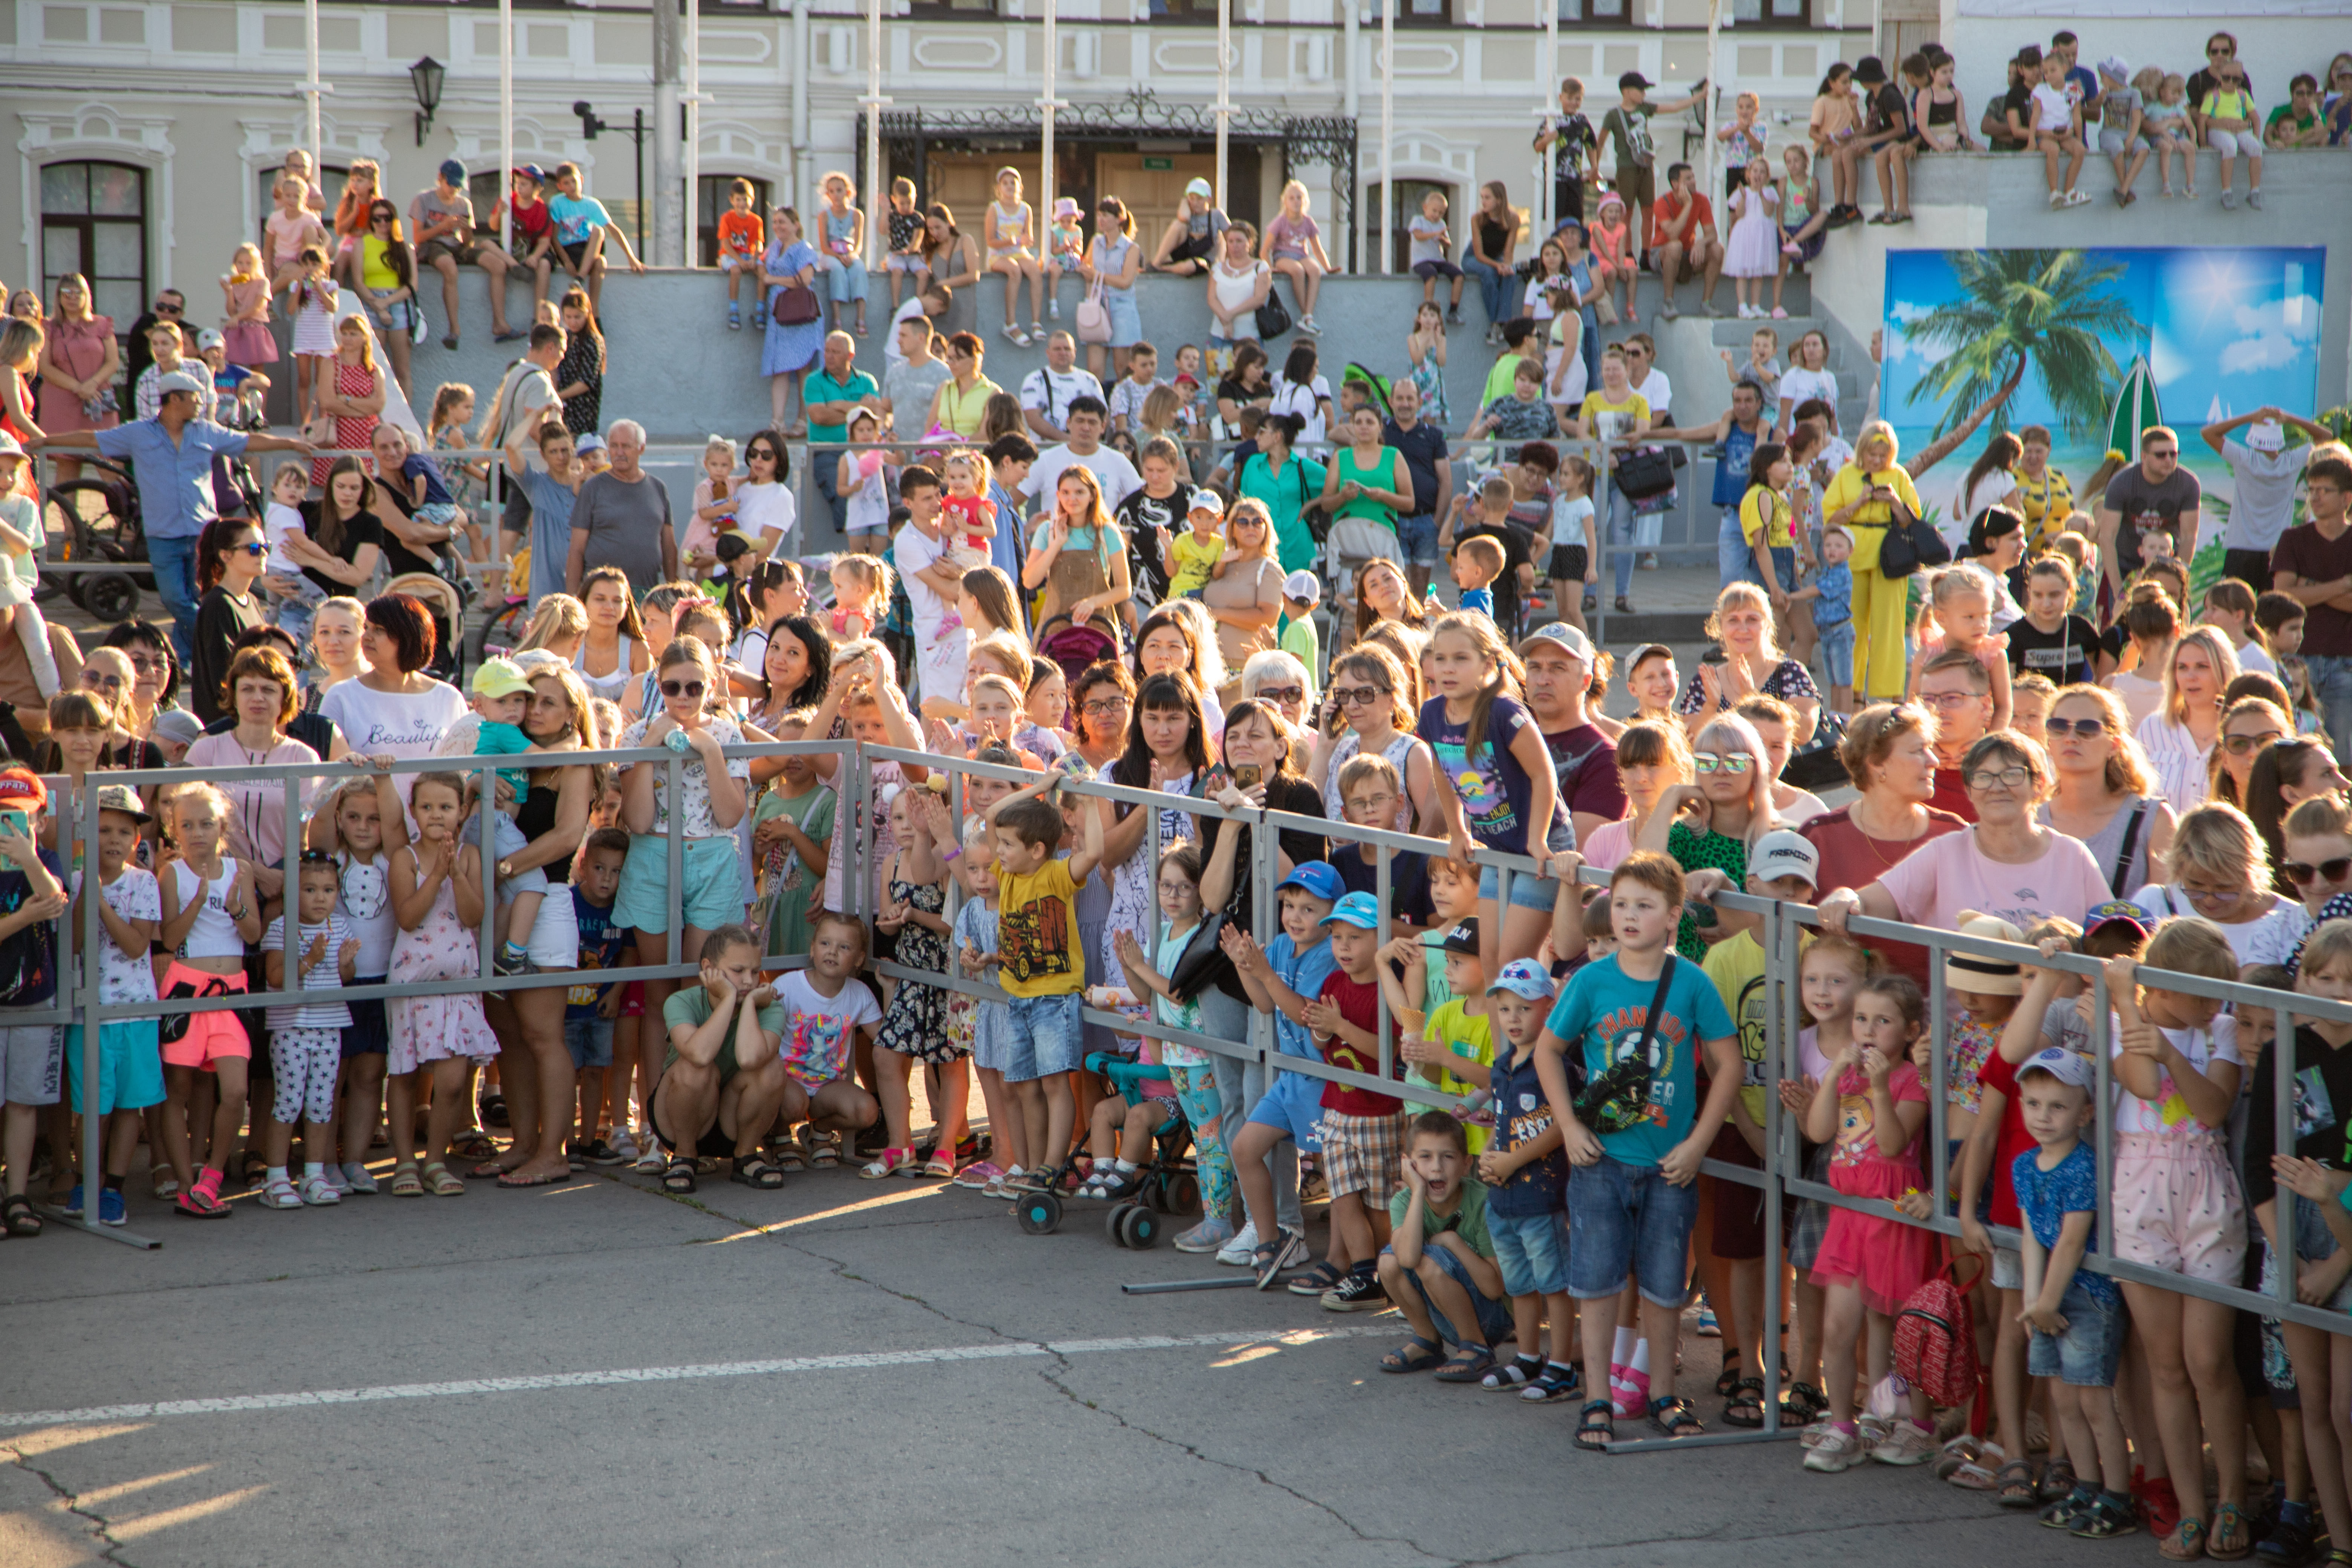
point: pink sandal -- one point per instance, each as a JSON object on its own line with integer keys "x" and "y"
{"x": 889, "y": 1161}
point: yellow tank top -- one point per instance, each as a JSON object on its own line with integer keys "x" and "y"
{"x": 375, "y": 271}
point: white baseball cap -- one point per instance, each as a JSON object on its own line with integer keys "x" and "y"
{"x": 1303, "y": 587}
{"x": 1569, "y": 640}
{"x": 1783, "y": 852}
{"x": 180, "y": 381}
{"x": 1206, "y": 500}
{"x": 1197, "y": 186}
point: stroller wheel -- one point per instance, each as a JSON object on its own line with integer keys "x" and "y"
{"x": 1138, "y": 1228}
{"x": 1155, "y": 1192}
{"x": 1183, "y": 1195}
{"x": 1038, "y": 1213}
{"x": 110, "y": 596}
{"x": 1113, "y": 1226}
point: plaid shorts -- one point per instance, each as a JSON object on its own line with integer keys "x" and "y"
{"x": 1363, "y": 1153}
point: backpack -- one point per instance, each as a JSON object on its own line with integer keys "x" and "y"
{"x": 1936, "y": 1343}
{"x": 1376, "y": 385}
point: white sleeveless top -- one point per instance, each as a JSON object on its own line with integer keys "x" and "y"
{"x": 1396, "y": 751}
{"x": 213, "y": 935}
{"x": 608, "y": 687}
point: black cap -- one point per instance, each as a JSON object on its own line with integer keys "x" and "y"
{"x": 1463, "y": 938}
{"x": 1869, "y": 70}
{"x": 1634, "y": 78}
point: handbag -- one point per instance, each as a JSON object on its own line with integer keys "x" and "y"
{"x": 1911, "y": 546}
{"x": 796, "y": 306}
{"x": 1645, "y": 472}
{"x": 1094, "y": 317}
{"x": 1619, "y": 1097}
{"x": 1272, "y": 321}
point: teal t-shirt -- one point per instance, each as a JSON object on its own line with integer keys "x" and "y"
{"x": 820, "y": 387}
{"x": 1602, "y": 1014}
{"x": 1284, "y": 495}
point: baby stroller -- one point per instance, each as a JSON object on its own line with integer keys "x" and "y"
{"x": 1074, "y": 646}
{"x": 1167, "y": 1184}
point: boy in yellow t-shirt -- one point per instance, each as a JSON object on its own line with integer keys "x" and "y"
{"x": 1043, "y": 971}
{"x": 1196, "y": 557}
{"x": 1452, "y": 1044}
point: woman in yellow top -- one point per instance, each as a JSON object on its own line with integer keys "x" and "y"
{"x": 1867, "y": 497}
{"x": 388, "y": 285}
{"x": 1613, "y": 416}
{"x": 2044, "y": 496}
{"x": 1768, "y": 521}
{"x": 961, "y": 405}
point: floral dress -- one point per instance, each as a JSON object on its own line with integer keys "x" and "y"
{"x": 915, "y": 1024}
{"x": 435, "y": 1028}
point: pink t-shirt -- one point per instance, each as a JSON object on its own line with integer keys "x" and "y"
{"x": 1945, "y": 876}
{"x": 1609, "y": 844}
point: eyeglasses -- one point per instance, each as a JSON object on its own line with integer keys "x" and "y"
{"x": 1104, "y": 707}
{"x": 163, "y": 310}
{"x": 149, "y": 665}
{"x": 1358, "y": 696}
{"x": 2220, "y": 52}
{"x": 2088, "y": 729}
{"x": 1282, "y": 693}
{"x": 2213, "y": 895}
{"x": 2334, "y": 870}
{"x": 681, "y": 689}
{"x": 2239, "y": 745}
{"x": 92, "y": 679}
{"x": 1940, "y": 700}
{"x": 2008, "y": 778}
{"x": 1722, "y": 763}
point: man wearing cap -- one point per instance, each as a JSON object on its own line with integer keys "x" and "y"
{"x": 1424, "y": 446}
{"x": 1627, "y": 127}
{"x": 2262, "y": 474}
{"x": 829, "y": 395}
{"x": 1558, "y": 660}
{"x": 1189, "y": 248}
{"x": 172, "y": 460}
{"x": 441, "y": 226}
{"x": 1047, "y": 394}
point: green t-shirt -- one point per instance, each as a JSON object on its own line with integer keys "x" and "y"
{"x": 1303, "y": 643}
{"x": 690, "y": 1005}
{"x": 784, "y": 878}
{"x": 1708, "y": 851}
{"x": 820, "y": 387}
{"x": 1470, "y": 1036}
{"x": 1468, "y": 1219}
{"x": 1502, "y": 376}
{"x": 2300, "y": 122}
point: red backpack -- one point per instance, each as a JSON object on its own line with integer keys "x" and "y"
{"x": 1936, "y": 1343}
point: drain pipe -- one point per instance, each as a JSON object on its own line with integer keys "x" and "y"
{"x": 801, "y": 63}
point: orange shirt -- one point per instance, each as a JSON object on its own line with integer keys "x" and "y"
{"x": 1669, "y": 207}
{"x": 740, "y": 234}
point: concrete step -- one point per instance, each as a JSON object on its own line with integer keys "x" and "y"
{"x": 1731, "y": 333}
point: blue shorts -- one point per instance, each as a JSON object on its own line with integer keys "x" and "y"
{"x": 1528, "y": 892}
{"x": 1629, "y": 1220}
{"x": 590, "y": 1041}
{"x": 1784, "y": 564}
{"x": 1531, "y": 1250}
{"x": 2086, "y": 1354}
{"x": 714, "y": 884}
{"x": 1837, "y": 653}
{"x": 1494, "y": 1316}
{"x": 1427, "y": 270}
{"x": 1417, "y": 539}
{"x": 369, "y": 1033}
{"x": 1295, "y": 1104}
{"x": 1044, "y": 1035}
{"x": 129, "y": 1065}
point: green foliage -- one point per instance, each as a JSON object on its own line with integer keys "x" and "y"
{"x": 2046, "y": 312}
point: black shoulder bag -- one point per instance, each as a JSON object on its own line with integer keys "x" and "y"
{"x": 1618, "y": 1098}
{"x": 2123, "y": 855}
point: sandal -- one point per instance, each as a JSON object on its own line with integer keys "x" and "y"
{"x": 941, "y": 1166}
{"x": 1556, "y": 1385}
{"x": 2015, "y": 1484}
{"x": 439, "y": 1180}
{"x": 2185, "y": 1544}
{"x": 757, "y": 1171}
{"x": 1674, "y": 1417}
{"x": 677, "y": 1176}
{"x": 474, "y": 1145}
{"x": 824, "y": 1151}
{"x": 889, "y": 1161}
{"x": 1596, "y": 1427}
{"x": 1727, "y": 1379}
{"x": 16, "y": 1215}
{"x": 2230, "y": 1537}
{"x": 404, "y": 1184}
{"x": 163, "y": 1184}
{"x": 1510, "y": 1376}
{"x": 1469, "y": 1363}
{"x": 1801, "y": 1405}
{"x": 2057, "y": 1480}
{"x": 279, "y": 1194}
{"x": 2102, "y": 1519}
{"x": 1746, "y": 1406}
{"x": 1323, "y": 1276}
{"x": 1416, "y": 1354}
{"x": 789, "y": 1156}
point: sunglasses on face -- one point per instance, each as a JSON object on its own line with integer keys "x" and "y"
{"x": 1357, "y": 696}
{"x": 2164, "y": 454}
{"x": 1282, "y": 693}
{"x": 167, "y": 310}
{"x": 2301, "y": 874}
{"x": 1722, "y": 763}
{"x": 681, "y": 689}
{"x": 90, "y": 677}
{"x": 253, "y": 547}
{"x": 2239, "y": 745}
{"x": 2085, "y": 728}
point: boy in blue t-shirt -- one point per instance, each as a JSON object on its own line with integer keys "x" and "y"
{"x": 1525, "y": 1171}
{"x": 588, "y": 1010}
{"x": 1635, "y": 1136}
{"x": 1291, "y": 1109}
{"x": 2075, "y": 1316}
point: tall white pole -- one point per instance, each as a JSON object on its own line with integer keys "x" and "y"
{"x": 693, "y": 101}
{"x": 1706, "y": 106}
{"x": 1224, "y": 99}
{"x": 1388, "y": 135}
{"x": 1351, "y": 101}
{"x": 312, "y": 89}
{"x": 1044, "y": 201}
{"x": 874, "y": 101}
{"x": 1546, "y": 83}
{"x": 506, "y": 121}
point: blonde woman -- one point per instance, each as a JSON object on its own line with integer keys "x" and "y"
{"x": 1868, "y": 497}
{"x": 2103, "y": 792}
{"x": 2179, "y": 736}
{"x": 1752, "y": 664}
{"x": 2218, "y": 871}
{"x": 559, "y": 624}
{"x": 1729, "y": 804}
{"x": 1244, "y": 599}
{"x": 335, "y": 629}
{"x": 1652, "y": 757}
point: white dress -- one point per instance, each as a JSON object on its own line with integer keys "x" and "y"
{"x": 1754, "y": 250}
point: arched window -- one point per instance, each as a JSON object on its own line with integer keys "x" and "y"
{"x": 710, "y": 200}
{"x": 94, "y": 222}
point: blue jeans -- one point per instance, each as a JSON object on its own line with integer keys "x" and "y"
{"x": 1735, "y": 561}
{"x": 174, "y": 563}
{"x": 1620, "y": 540}
{"x": 1494, "y": 1316}
{"x": 826, "y": 461}
{"x": 1494, "y": 287}
{"x": 1627, "y": 1219}
{"x": 2331, "y": 683}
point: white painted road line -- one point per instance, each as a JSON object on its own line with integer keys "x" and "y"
{"x": 1002, "y": 1351}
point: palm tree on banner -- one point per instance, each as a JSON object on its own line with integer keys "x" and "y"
{"x": 2050, "y": 313}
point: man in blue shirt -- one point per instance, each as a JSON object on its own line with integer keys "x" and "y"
{"x": 1738, "y": 433}
{"x": 172, "y": 460}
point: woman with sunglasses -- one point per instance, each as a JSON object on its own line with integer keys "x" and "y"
{"x": 1367, "y": 713}
{"x": 1730, "y": 807}
{"x": 2220, "y": 873}
{"x": 2104, "y": 794}
{"x": 228, "y": 562}
{"x": 2248, "y": 725}
{"x": 107, "y": 674}
{"x": 387, "y": 269}
{"x": 2318, "y": 865}
{"x": 2284, "y": 774}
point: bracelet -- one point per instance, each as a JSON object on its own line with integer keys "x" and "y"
{"x": 953, "y": 853}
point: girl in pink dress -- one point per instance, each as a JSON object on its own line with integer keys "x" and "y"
{"x": 245, "y": 292}
{"x": 437, "y": 893}
{"x": 1871, "y": 1109}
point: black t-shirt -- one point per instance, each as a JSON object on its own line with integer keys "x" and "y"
{"x": 1890, "y": 109}
{"x": 2323, "y": 1112}
{"x": 2017, "y": 101}
{"x": 2143, "y": 509}
{"x": 1408, "y": 880}
{"x": 358, "y": 531}
{"x": 1423, "y": 446}
{"x": 1141, "y": 516}
{"x": 397, "y": 557}
{"x": 2064, "y": 654}
{"x": 1282, "y": 794}
{"x": 1515, "y": 545}
{"x": 2315, "y": 558}
{"x": 221, "y": 618}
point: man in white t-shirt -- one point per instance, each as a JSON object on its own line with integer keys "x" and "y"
{"x": 2262, "y": 474}
{"x": 1084, "y": 449}
{"x": 1047, "y": 394}
{"x": 934, "y": 588}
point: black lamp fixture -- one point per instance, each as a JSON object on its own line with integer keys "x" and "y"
{"x": 425, "y": 76}
{"x": 589, "y": 123}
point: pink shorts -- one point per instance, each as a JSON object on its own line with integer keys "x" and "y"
{"x": 2177, "y": 1205}
{"x": 210, "y": 1035}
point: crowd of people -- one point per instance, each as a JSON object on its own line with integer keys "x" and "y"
{"x": 1134, "y": 582}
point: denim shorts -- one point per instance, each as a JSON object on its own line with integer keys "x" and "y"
{"x": 1494, "y": 1316}
{"x": 369, "y": 1033}
{"x": 1837, "y": 653}
{"x": 1531, "y": 1250}
{"x": 1295, "y": 1104}
{"x": 590, "y": 1041}
{"x": 1126, "y": 319}
{"x": 2086, "y": 1354}
{"x": 1528, "y": 892}
{"x": 714, "y": 884}
{"x": 1044, "y": 1035}
{"x": 1417, "y": 539}
{"x": 1627, "y": 1219}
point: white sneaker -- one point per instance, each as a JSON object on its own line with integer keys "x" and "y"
{"x": 1906, "y": 1444}
{"x": 1837, "y": 1451}
{"x": 1811, "y": 1436}
{"x": 1240, "y": 1249}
